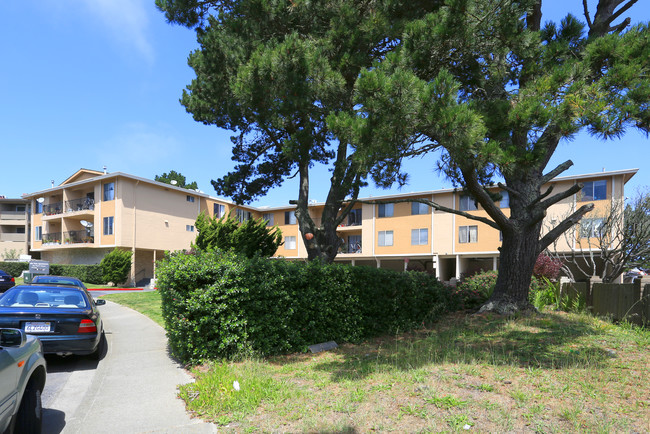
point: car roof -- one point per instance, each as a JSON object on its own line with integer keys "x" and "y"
{"x": 52, "y": 276}
{"x": 4, "y": 272}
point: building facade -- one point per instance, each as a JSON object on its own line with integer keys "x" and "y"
{"x": 14, "y": 228}
{"x": 92, "y": 212}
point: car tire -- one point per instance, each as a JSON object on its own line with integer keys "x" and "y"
{"x": 101, "y": 348}
{"x": 29, "y": 418}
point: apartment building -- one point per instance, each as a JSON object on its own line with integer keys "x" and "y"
{"x": 92, "y": 212}
{"x": 14, "y": 227}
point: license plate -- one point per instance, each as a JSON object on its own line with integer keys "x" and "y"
{"x": 37, "y": 327}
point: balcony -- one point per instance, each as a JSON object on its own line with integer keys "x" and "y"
{"x": 53, "y": 238}
{"x": 82, "y": 204}
{"x": 13, "y": 237}
{"x": 12, "y": 215}
{"x": 52, "y": 209}
{"x": 351, "y": 248}
{"x": 78, "y": 237}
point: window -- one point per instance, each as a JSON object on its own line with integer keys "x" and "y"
{"x": 189, "y": 198}
{"x": 385, "y": 210}
{"x": 21, "y": 208}
{"x": 108, "y": 225}
{"x": 354, "y": 218}
{"x": 289, "y": 217}
{"x": 418, "y": 208}
{"x": 467, "y": 203}
{"x": 419, "y": 237}
{"x": 189, "y": 228}
{"x": 38, "y": 233}
{"x": 591, "y": 228}
{"x": 290, "y": 243}
{"x": 385, "y": 238}
{"x": 20, "y": 230}
{"x": 505, "y": 200}
{"x": 354, "y": 244}
{"x": 594, "y": 190}
{"x": 39, "y": 208}
{"x": 109, "y": 191}
{"x": 243, "y": 215}
{"x": 219, "y": 210}
{"x": 269, "y": 218}
{"x": 468, "y": 234}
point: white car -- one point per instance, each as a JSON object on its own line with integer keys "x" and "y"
{"x": 22, "y": 378}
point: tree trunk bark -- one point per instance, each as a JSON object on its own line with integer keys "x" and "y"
{"x": 517, "y": 261}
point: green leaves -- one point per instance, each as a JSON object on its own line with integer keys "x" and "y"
{"x": 116, "y": 266}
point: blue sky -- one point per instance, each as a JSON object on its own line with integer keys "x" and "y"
{"x": 93, "y": 83}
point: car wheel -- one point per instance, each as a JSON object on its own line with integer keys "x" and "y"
{"x": 101, "y": 348}
{"x": 30, "y": 413}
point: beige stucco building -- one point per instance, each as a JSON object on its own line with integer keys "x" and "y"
{"x": 93, "y": 212}
{"x": 14, "y": 227}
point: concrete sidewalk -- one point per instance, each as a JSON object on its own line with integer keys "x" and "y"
{"x": 134, "y": 388}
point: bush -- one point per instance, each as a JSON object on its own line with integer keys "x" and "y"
{"x": 116, "y": 266}
{"x": 85, "y": 273}
{"x": 14, "y": 268}
{"x": 475, "y": 290}
{"x": 217, "y": 304}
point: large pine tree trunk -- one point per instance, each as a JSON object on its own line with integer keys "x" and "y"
{"x": 517, "y": 260}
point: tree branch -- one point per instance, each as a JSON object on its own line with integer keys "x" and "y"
{"x": 562, "y": 195}
{"x": 555, "y": 172}
{"x": 437, "y": 207}
{"x": 554, "y": 233}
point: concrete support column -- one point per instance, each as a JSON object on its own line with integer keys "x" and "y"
{"x": 378, "y": 262}
{"x": 457, "y": 267}
{"x": 494, "y": 264}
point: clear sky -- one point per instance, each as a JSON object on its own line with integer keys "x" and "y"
{"x": 93, "y": 83}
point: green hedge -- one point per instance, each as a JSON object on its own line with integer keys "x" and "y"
{"x": 218, "y": 305}
{"x": 86, "y": 273}
{"x": 14, "y": 268}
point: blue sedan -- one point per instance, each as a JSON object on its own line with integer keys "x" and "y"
{"x": 64, "y": 318}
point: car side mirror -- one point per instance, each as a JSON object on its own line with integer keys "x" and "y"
{"x": 100, "y": 302}
{"x": 12, "y": 338}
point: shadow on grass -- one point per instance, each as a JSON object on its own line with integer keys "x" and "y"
{"x": 548, "y": 341}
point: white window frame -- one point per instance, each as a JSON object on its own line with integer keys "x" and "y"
{"x": 589, "y": 189}
{"x": 190, "y": 198}
{"x": 243, "y": 215}
{"x": 269, "y": 218}
{"x": 38, "y": 233}
{"x": 290, "y": 242}
{"x": 420, "y": 237}
{"x": 385, "y": 210}
{"x": 189, "y": 228}
{"x": 467, "y": 203}
{"x": 385, "y": 238}
{"x": 467, "y": 234}
{"x": 219, "y": 210}
{"x": 110, "y": 192}
{"x": 290, "y": 218}
{"x": 419, "y": 208}
{"x": 108, "y": 225}
{"x": 591, "y": 227}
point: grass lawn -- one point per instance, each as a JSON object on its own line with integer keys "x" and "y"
{"x": 147, "y": 303}
{"x": 555, "y": 372}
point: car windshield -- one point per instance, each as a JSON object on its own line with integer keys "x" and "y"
{"x": 55, "y": 280}
{"x": 30, "y": 296}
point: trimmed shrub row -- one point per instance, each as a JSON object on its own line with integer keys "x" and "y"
{"x": 220, "y": 305}
{"x": 86, "y": 273}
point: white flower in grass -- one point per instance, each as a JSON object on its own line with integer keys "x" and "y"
{"x": 235, "y": 385}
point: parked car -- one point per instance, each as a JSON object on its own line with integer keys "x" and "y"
{"x": 6, "y": 281}
{"x": 634, "y": 274}
{"x": 64, "y": 318}
{"x": 57, "y": 280}
{"x": 22, "y": 378}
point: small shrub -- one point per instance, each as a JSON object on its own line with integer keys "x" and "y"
{"x": 116, "y": 266}
{"x": 548, "y": 267}
{"x": 85, "y": 273}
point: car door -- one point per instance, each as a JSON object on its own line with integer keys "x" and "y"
{"x": 8, "y": 383}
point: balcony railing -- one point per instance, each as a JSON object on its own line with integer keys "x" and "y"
{"x": 53, "y": 208}
{"x": 76, "y": 237}
{"x": 52, "y": 238}
{"x": 350, "y": 248}
{"x": 12, "y": 237}
{"x": 12, "y": 215}
{"x": 79, "y": 204}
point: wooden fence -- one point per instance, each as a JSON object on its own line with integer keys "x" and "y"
{"x": 630, "y": 301}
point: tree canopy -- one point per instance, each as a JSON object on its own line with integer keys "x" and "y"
{"x": 167, "y": 178}
{"x": 251, "y": 238}
{"x": 274, "y": 72}
{"x": 494, "y": 92}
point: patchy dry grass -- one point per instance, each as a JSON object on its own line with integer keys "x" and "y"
{"x": 555, "y": 372}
